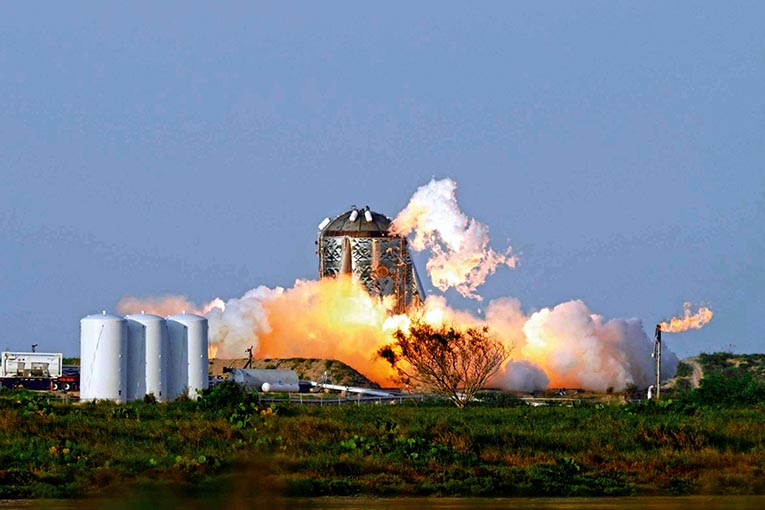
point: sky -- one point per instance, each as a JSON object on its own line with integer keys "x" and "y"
{"x": 192, "y": 148}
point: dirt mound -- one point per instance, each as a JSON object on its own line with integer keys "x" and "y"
{"x": 689, "y": 374}
{"x": 309, "y": 369}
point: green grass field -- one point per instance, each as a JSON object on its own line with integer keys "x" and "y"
{"x": 707, "y": 441}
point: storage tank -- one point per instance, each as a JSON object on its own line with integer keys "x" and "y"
{"x": 147, "y": 356}
{"x": 358, "y": 242}
{"x": 266, "y": 380}
{"x": 103, "y": 357}
{"x": 187, "y": 363}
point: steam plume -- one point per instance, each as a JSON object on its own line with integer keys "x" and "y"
{"x": 460, "y": 254}
{"x": 580, "y": 349}
{"x": 564, "y": 346}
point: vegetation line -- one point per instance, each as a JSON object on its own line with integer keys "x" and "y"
{"x": 710, "y": 440}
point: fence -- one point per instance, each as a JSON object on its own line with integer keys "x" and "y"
{"x": 309, "y": 399}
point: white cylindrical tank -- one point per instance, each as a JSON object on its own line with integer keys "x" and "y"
{"x": 103, "y": 357}
{"x": 147, "y": 356}
{"x": 187, "y": 363}
{"x": 266, "y": 380}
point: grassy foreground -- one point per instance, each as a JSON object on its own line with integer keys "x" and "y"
{"x": 227, "y": 443}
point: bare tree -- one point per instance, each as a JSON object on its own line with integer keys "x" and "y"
{"x": 451, "y": 362}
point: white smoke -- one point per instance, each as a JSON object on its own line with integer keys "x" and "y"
{"x": 522, "y": 375}
{"x": 460, "y": 254}
{"x": 564, "y": 346}
{"x": 239, "y": 323}
{"x": 577, "y": 349}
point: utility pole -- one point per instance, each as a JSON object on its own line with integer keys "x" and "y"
{"x": 657, "y": 354}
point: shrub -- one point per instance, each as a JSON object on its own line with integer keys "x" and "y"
{"x": 684, "y": 370}
{"x": 497, "y": 399}
{"x": 729, "y": 390}
{"x": 222, "y": 399}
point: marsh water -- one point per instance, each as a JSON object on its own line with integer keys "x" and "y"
{"x": 350, "y": 503}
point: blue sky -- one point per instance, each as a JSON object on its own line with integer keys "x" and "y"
{"x": 185, "y": 148}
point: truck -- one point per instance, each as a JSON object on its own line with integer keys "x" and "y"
{"x": 37, "y": 371}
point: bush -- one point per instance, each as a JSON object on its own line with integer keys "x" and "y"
{"x": 684, "y": 370}
{"x": 497, "y": 399}
{"x": 222, "y": 399}
{"x": 714, "y": 363}
{"x": 679, "y": 446}
{"x": 729, "y": 390}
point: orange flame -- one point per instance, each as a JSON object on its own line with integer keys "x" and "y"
{"x": 329, "y": 318}
{"x": 332, "y": 318}
{"x": 563, "y": 346}
{"x": 688, "y": 320}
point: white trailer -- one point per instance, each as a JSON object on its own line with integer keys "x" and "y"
{"x": 32, "y": 370}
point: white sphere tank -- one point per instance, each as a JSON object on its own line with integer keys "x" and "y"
{"x": 187, "y": 363}
{"x": 103, "y": 357}
{"x": 147, "y": 356}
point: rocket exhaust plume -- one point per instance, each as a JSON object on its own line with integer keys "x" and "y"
{"x": 688, "y": 320}
{"x": 566, "y": 345}
{"x": 332, "y": 318}
{"x": 460, "y": 254}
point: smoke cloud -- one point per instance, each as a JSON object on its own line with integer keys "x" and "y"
{"x": 580, "y": 349}
{"x": 564, "y": 346}
{"x": 567, "y": 346}
{"x": 522, "y": 375}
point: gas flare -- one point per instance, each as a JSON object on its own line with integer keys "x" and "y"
{"x": 460, "y": 253}
{"x": 688, "y": 320}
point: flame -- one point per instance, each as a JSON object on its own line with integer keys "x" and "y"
{"x": 460, "y": 254}
{"x": 688, "y": 320}
{"x": 343, "y": 322}
{"x": 329, "y": 318}
{"x": 563, "y": 346}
